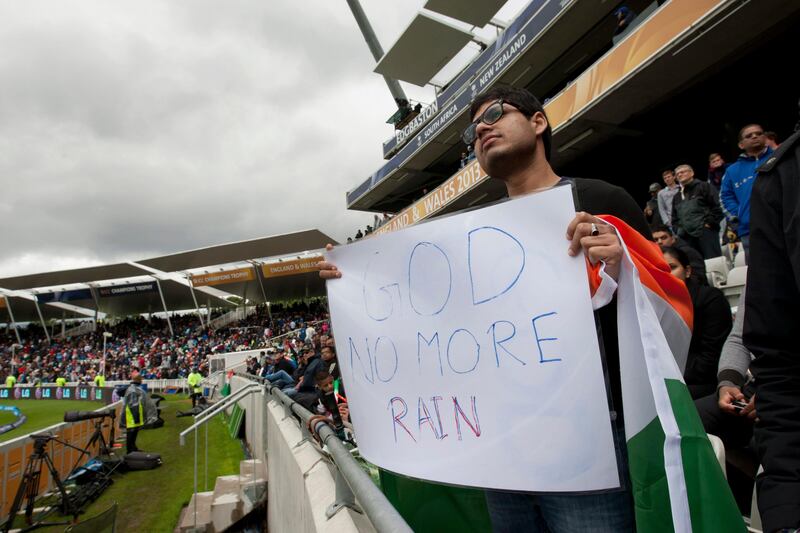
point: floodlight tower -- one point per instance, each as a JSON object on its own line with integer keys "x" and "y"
{"x": 14, "y": 348}
{"x": 375, "y": 47}
{"x": 106, "y": 335}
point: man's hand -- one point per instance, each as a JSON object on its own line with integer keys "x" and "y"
{"x": 604, "y": 246}
{"x": 328, "y": 270}
{"x": 728, "y": 395}
{"x": 750, "y": 410}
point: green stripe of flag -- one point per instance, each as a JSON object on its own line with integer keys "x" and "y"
{"x": 711, "y": 503}
{"x": 649, "y": 479}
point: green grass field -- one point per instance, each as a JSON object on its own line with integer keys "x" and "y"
{"x": 41, "y": 414}
{"x": 151, "y": 500}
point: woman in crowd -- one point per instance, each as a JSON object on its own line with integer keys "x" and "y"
{"x": 712, "y": 323}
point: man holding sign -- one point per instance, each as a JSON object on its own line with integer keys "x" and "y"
{"x": 521, "y": 403}
{"x": 512, "y": 139}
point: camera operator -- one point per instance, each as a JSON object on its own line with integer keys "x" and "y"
{"x": 134, "y": 401}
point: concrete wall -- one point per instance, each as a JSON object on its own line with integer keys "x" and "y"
{"x": 301, "y": 482}
{"x": 254, "y": 417}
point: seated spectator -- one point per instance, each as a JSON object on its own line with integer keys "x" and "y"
{"x": 313, "y": 364}
{"x": 720, "y": 415}
{"x": 712, "y": 323}
{"x": 331, "y": 365}
{"x": 279, "y": 372}
{"x": 665, "y": 238}
{"x": 730, "y": 413}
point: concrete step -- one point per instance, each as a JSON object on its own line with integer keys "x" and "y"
{"x": 226, "y": 485}
{"x": 251, "y": 492}
{"x": 225, "y": 510}
{"x": 247, "y": 466}
{"x": 187, "y": 523}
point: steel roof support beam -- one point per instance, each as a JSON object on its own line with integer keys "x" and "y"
{"x": 164, "y": 304}
{"x": 374, "y": 46}
{"x": 41, "y": 318}
{"x": 197, "y": 307}
{"x": 13, "y": 322}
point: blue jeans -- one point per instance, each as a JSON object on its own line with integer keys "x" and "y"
{"x": 280, "y": 379}
{"x": 746, "y": 247}
{"x": 610, "y": 512}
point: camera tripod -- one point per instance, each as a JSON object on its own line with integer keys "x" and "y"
{"x": 29, "y": 486}
{"x": 69, "y": 504}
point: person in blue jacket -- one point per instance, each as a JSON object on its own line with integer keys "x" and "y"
{"x": 737, "y": 183}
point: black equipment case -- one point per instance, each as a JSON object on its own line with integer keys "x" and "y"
{"x": 142, "y": 460}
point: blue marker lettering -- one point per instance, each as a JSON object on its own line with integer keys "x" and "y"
{"x": 478, "y": 296}
{"x": 431, "y": 308}
{"x": 499, "y": 343}
{"x": 477, "y": 351}
{"x": 428, "y": 343}
{"x": 540, "y": 340}
{"x": 353, "y": 352}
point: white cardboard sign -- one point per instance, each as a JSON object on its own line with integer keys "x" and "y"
{"x": 469, "y": 353}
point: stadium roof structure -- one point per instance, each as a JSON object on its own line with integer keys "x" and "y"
{"x": 541, "y": 44}
{"x": 422, "y": 50}
{"x": 179, "y": 281}
{"x": 603, "y": 94}
{"x": 475, "y": 12}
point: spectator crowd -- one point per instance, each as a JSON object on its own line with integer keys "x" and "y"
{"x": 144, "y": 346}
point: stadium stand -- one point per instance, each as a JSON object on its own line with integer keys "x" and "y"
{"x": 604, "y": 99}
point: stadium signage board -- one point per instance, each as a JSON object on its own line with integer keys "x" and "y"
{"x": 468, "y": 348}
{"x": 64, "y": 296}
{"x": 127, "y": 290}
{"x": 474, "y": 79}
{"x": 455, "y": 186}
{"x": 400, "y": 135}
{"x": 220, "y": 278}
{"x": 95, "y": 394}
{"x": 290, "y": 268}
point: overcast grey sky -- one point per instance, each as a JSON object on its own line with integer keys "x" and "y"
{"x": 132, "y": 129}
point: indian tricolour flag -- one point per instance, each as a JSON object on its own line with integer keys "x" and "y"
{"x": 677, "y": 482}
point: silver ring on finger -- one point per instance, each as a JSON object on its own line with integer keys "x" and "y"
{"x": 595, "y": 231}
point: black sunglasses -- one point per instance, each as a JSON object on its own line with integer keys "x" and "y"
{"x": 490, "y": 115}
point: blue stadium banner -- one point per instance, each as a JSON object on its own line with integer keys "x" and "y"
{"x": 64, "y": 296}
{"x": 481, "y": 74}
{"x": 127, "y": 290}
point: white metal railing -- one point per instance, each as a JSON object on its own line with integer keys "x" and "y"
{"x": 154, "y": 384}
{"x": 240, "y": 313}
{"x": 204, "y": 417}
{"x": 351, "y": 481}
{"x": 86, "y": 327}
